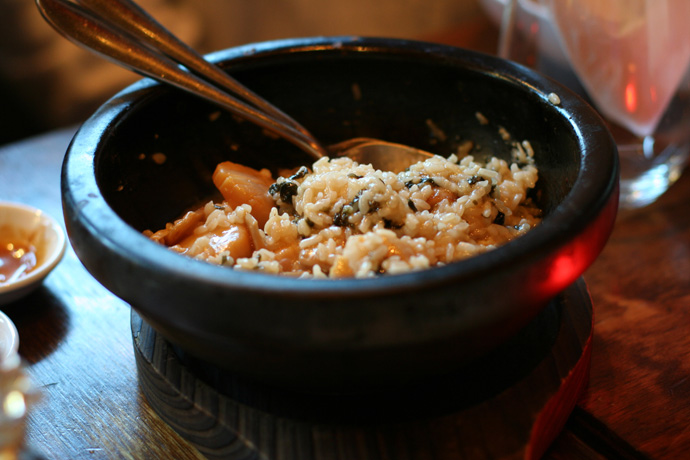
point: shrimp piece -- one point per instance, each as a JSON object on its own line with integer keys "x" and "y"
{"x": 178, "y": 230}
{"x": 288, "y": 257}
{"x": 439, "y": 194}
{"x": 236, "y": 240}
{"x": 341, "y": 268}
{"x": 244, "y": 185}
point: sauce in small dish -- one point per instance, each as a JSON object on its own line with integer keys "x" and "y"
{"x": 17, "y": 259}
{"x": 31, "y": 245}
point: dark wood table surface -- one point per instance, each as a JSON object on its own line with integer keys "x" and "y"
{"x": 77, "y": 345}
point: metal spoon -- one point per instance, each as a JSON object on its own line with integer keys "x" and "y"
{"x": 124, "y": 33}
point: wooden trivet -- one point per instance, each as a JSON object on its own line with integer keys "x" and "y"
{"x": 514, "y": 406}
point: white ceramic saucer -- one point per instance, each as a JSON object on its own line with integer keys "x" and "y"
{"x": 44, "y": 233}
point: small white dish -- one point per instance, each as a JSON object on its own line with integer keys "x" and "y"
{"x": 9, "y": 338}
{"x": 28, "y": 224}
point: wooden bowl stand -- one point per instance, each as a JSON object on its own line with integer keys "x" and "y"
{"x": 513, "y": 407}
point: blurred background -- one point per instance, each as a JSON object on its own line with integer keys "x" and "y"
{"x": 46, "y": 82}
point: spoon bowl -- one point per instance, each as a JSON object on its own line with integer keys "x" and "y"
{"x": 386, "y": 156}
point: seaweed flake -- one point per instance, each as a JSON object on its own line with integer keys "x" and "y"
{"x": 500, "y": 218}
{"x": 301, "y": 172}
{"x": 374, "y": 206}
{"x": 389, "y": 224}
{"x": 341, "y": 218}
{"x": 423, "y": 180}
{"x": 285, "y": 189}
{"x": 355, "y": 201}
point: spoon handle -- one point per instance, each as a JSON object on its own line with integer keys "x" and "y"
{"x": 129, "y": 16}
{"x": 82, "y": 27}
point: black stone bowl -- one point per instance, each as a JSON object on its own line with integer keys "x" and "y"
{"x": 348, "y": 334}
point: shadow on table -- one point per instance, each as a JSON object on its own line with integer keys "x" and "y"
{"x": 42, "y": 321}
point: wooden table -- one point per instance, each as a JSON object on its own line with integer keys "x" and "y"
{"x": 76, "y": 340}
{"x": 75, "y": 337}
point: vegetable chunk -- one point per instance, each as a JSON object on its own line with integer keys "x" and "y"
{"x": 243, "y": 185}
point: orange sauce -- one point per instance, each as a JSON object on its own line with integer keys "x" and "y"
{"x": 16, "y": 260}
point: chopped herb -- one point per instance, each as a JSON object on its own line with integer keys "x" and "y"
{"x": 341, "y": 219}
{"x": 288, "y": 191}
{"x": 374, "y": 206}
{"x": 389, "y": 224}
{"x": 474, "y": 179}
{"x": 355, "y": 201}
{"x": 354, "y": 176}
{"x": 285, "y": 189}
{"x": 424, "y": 180}
{"x": 410, "y": 203}
{"x": 301, "y": 172}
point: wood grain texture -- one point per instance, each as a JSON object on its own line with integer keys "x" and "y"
{"x": 511, "y": 405}
{"x": 641, "y": 363}
{"x": 74, "y": 338}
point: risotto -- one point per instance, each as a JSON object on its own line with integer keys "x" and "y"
{"x": 344, "y": 219}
